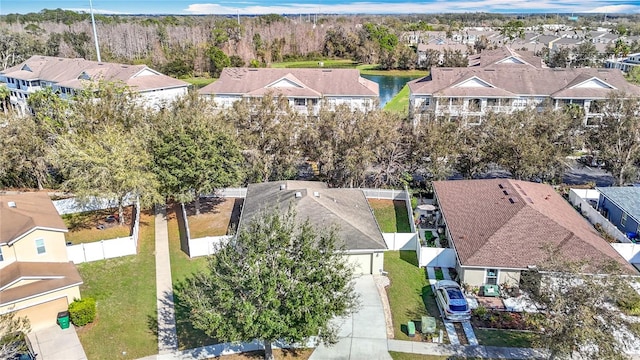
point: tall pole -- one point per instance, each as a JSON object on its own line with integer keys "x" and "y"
{"x": 95, "y": 33}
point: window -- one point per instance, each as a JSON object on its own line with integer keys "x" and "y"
{"x": 40, "y": 246}
{"x": 492, "y": 277}
{"x": 623, "y": 219}
{"x": 475, "y": 105}
{"x": 299, "y": 102}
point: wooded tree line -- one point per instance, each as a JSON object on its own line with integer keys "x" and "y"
{"x": 117, "y": 147}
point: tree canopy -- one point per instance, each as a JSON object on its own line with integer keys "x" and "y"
{"x": 273, "y": 281}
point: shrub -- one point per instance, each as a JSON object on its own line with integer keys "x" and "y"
{"x": 480, "y": 311}
{"x": 82, "y": 311}
{"x": 629, "y": 303}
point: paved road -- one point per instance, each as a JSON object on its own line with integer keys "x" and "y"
{"x": 577, "y": 173}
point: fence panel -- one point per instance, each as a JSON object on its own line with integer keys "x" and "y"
{"x": 442, "y": 257}
{"x": 595, "y": 217}
{"x": 76, "y": 253}
{"x": 205, "y": 246}
{"x": 630, "y": 252}
{"x": 229, "y": 193}
{"x": 92, "y": 203}
{"x": 100, "y": 250}
{"x": 119, "y": 247}
{"x": 400, "y": 241}
{"x": 388, "y": 194}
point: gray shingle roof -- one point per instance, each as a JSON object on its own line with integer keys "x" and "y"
{"x": 346, "y": 208}
{"x": 506, "y": 224}
{"x": 304, "y": 82}
{"x": 626, "y": 197}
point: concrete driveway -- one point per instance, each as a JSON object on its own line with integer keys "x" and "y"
{"x": 54, "y": 343}
{"x": 362, "y": 335}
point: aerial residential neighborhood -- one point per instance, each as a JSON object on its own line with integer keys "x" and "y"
{"x": 213, "y": 182}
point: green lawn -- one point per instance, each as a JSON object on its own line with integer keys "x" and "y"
{"x": 400, "y": 102}
{"x": 199, "y": 82}
{"x": 327, "y": 64}
{"x": 391, "y": 215}
{"x": 125, "y": 292}
{"x": 505, "y": 338}
{"x": 372, "y": 69}
{"x": 410, "y": 295}
{"x": 181, "y": 267}
{"x": 83, "y": 227}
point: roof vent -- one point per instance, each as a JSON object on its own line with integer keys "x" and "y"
{"x": 529, "y": 200}
{"x": 316, "y": 194}
{"x": 298, "y": 194}
{"x": 12, "y": 204}
{"x": 501, "y": 186}
{"x": 283, "y": 186}
{"x": 512, "y": 200}
{"x": 505, "y": 192}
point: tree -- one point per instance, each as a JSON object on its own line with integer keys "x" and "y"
{"x": 581, "y": 315}
{"x": 559, "y": 58}
{"x": 5, "y": 93}
{"x": 454, "y": 58}
{"x": 585, "y": 54}
{"x": 12, "y": 329}
{"x": 512, "y": 30}
{"x": 219, "y": 60}
{"x": 616, "y": 139}
{"x": 273, "y": 281}
{"x": 436, "y": 147}
{"x": 193, "y": 152}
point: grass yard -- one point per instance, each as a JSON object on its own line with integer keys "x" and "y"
{"x": 391, "y": 215}
{"x": 125, "y": 293}
{"x": 83, "y": 227}
{"x": 505, "y": 338}
{"x": 199, "y": 82}
{"x": 216, "y": 216}
{"x": 372, "y": 69}
{"x": 407, "y": 356}
{"x": 400, "y": 103}
{"x": 327, "y": 64}
{"x": 410, "y": 295}
{"x": 181, "y": 267}
{"x": 300, "y": 354}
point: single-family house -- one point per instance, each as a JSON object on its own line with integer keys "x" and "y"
{"x": 625, "y": 64}
{"x": 37, "y": 280}
{"x": 68, "y": 76}
{"x": 504, "y": 80}
{"x": 305, "y": 89}
{"x": 348, "y": 209}
{"x": 501, "y": 227}
{"x": 621, "y": 206}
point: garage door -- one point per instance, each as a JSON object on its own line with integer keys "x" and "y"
{"x": 44, "y": 315}
{"x": 362, "y": 263}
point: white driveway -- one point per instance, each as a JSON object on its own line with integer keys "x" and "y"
{"x": 362, "y": 335}
{"x": 54, "y": 343}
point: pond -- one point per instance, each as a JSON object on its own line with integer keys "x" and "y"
{"x": 390, "y": 86}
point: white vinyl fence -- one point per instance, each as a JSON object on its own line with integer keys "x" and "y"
{"x": 207, "y": 245}
{"x": 441, "y": 257}
{"x": 103, "y": 249}
{"x": 229, "y": 193}
{"x": 577, "y": 198}
{"x": 388, "y": 194}
{"x": 630, "y": 252}
{"x": 400, "y": 241}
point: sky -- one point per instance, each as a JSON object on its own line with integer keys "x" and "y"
{"x": 256, "y": 7}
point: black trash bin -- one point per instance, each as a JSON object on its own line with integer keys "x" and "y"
{"x": 63, "y": 319}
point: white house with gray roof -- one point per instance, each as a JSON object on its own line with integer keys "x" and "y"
{"x": 68, "y": 76}
{"x": 504, "y": 80}
{"x": 347, "y": 209}
{"x": 306, "y": 89}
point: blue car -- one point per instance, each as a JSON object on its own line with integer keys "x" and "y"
{"x": 452, "y": 301}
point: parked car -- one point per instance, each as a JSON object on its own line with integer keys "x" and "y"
{"x": 452, "y": 301}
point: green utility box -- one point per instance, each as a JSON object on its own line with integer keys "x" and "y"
{"x": 411, "y": 329}
{"x": 428, "y": 325}
{"x": 63, "y": 319}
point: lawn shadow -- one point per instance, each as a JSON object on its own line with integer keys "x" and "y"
{"x": 188, "y": 336}
{"x": 409, "y": 256}
{"x": 207, "y": 205}
{"x": 402, "y": 217}
{"x": 235, "y": 215}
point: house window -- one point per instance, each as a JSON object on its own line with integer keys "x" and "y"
{"x": 492, "y": 277}
{"x": 475, "y": 105}
{"x": 299, "y": 102}
{"x": 40, "y": 246}
{"x": 623, "y": 219}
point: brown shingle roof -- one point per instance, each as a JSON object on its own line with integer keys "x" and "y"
{"x": 48, "y": 276}
{"x": 308, "y": 82}
{"x": 32, "y": 210}
{"x": 346, "y": 208}
{"x": 66, "y": 73}
{"x": 506, "y": 224}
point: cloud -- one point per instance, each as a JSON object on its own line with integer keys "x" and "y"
{"x": 433, "y": 6}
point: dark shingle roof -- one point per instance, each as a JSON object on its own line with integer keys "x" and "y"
{"x": 507, "y": 223}
{"x": 346, "y": 208}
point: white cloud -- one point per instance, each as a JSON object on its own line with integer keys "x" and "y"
{"x": 437, "y": 6}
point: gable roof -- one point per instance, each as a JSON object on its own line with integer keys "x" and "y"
{"x": 32, "y": 211}
{"x": 311, "y": 82}
{"x": 346, "y": 208}
{"x": 41, "y": 277}
{"x": 505, "y": 56}
{"x": 627, "y": 198}
{"x": 69, "y": 73}
{"x": 507, "y": 223}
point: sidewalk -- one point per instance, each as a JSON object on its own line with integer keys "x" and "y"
{"x": 486, "y": 352}
{"x": 167, "y": 337}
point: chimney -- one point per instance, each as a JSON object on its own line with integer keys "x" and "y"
{"x": 12, "y": 204}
